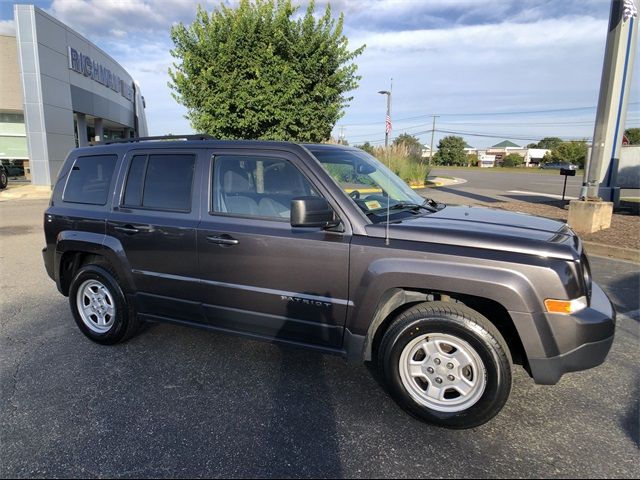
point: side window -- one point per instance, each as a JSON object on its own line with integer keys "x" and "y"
{"x": 160, "y": 182}
{"x": 89, "y": 179}
{"x": 256, "y": 186}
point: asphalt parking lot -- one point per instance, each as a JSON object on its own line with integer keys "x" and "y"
{"x": 187, "y": 403}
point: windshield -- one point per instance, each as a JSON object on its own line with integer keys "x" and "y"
{"x": 368, "y": 182}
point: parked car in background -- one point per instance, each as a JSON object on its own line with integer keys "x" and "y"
{"x": 4, "y": 177}
{"x": 558, "y": 166}
{"x": 13, "y": 170}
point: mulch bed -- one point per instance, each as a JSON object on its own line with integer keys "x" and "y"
{"x": 625, "y": 223}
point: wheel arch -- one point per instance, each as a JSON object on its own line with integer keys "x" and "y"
{"x": 396, "y": 300}
{"x": 74, "y": 250}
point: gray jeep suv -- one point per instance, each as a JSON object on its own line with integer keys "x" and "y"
{"x": 322, "y": 247}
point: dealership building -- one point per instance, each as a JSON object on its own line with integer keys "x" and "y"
{"x": 58, "y": 91}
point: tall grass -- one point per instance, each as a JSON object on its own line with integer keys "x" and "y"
{"x": 410, "y": 168}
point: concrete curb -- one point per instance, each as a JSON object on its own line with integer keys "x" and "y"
{"x": 442, "y": 182}
{"x": 611, "y": 251}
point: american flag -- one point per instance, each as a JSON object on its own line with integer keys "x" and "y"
{"x": 388, "y": 125}
{"x": 629, "y": 10}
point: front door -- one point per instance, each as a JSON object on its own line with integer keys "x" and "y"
{"x": 259, "y": 275}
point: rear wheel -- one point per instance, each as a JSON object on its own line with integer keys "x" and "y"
{"x": 99, "y": 307}
{"x": 446, "y": 364}
{"x": 4, "y": 180}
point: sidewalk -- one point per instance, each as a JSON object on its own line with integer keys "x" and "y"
{"x": 24, "y": 192}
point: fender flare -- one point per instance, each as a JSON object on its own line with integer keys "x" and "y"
{"x": 96, "y": 244}
{"x": 391, "y": 283}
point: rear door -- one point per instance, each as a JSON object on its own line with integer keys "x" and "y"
{"x": 155, "y": 218}
{"x": 259, "y": 274}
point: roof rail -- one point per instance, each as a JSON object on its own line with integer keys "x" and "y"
{"x": 199, "y": 136}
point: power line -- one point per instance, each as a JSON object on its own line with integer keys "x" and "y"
{"x": 489, "y": 124}
{"x": 523, "y": 112}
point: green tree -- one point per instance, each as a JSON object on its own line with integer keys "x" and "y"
{"x": 472, "y": 160}
{"x": 411, "y": 143}
{"x": 367, "y": 147}
{"x": 574, "y": 152}
{"x": 262, "y": 71}
{"x": 633, "y": 134}
{"x": 451, "y": 151}
{"x": 512, "y": 160}
{"x": 547, "y": 142}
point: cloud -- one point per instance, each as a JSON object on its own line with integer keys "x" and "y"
{"x": 446, "y": 56}
{"x": 546, "y": 64}
{"x": 7, "y": 27}
{"x": 104, "y": 17}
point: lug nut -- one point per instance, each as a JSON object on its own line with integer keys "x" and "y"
{"x": 449, "y": 365}
{"x": 438, "y": 380}
{"x": 437, "y": 361}
{"x": 430, "y": 370}
{"x": 451, "y": 378}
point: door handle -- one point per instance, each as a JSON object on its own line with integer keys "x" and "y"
{"x": 131, "y": 230}
{"x": 223, "y": 240}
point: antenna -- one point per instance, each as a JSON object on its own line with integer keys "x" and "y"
{"x": 386, "y": 148}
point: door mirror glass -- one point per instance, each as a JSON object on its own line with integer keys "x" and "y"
{"x": 312, "y": 212}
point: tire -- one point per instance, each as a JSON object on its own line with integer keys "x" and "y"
{"x": 421, "y": 356}
{"x": 111, "y": 320}
{"x": 4, "y": 180}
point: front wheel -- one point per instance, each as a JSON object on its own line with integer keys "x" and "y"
{"x": 446, "y": 364}
{"x": 4, "y": 180}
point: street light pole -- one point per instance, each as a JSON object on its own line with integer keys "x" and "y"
{"x": 387, "y": 123}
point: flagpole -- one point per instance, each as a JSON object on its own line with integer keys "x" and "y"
{"x": 387, "y": 131}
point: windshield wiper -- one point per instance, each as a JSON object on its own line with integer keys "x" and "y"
{"x": 414, "y": 206}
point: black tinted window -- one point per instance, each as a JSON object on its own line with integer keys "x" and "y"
{"x": 135, "y": 179}
{"x": 168, "y": 182}
{"x": 89, "y": 179}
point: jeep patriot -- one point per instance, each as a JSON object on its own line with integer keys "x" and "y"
{"x": 323, "y": 247}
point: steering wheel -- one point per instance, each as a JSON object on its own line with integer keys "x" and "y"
{"x": 355, "y": 194}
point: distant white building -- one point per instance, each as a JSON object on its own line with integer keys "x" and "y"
{"x": 426, "y": 151}
{"x": 533, "y": 156}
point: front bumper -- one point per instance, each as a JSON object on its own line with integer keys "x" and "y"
{"x": 583, "y": 340}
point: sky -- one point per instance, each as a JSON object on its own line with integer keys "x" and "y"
{"x": 490, "y": 69}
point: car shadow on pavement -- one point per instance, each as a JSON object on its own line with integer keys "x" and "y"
{"x": 302, "y": 438}
{"x": 474, "y": 196}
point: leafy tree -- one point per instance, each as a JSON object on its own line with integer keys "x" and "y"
{"x": 633, "y": 134}
{"x": 472, "y": 160}
{"x": 512, "y": 160}
{"x": 451, "y": 151}
{"x": 261, "y": 71}
{"x": 574, "y": 152}
{"x": 547, "y": 142}
{"x": 411, "y": 143}
{"x": 367, "y": 147}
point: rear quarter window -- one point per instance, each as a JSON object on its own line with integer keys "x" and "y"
{"x": 90, "y": 179}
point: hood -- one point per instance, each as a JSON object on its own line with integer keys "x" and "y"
{"x": 480, "y": 227}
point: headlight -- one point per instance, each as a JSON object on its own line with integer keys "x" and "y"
{"x": 566, "y": 307}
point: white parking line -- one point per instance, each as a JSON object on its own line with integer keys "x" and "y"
{"x": 538, "y": 194}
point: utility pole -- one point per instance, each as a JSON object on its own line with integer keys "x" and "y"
{"x": 591, "y": 213}
{"x": 341, "y": 139}
{"x": 433, "y": 131}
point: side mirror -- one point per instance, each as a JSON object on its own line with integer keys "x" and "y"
{"x": 312, "y": 212}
